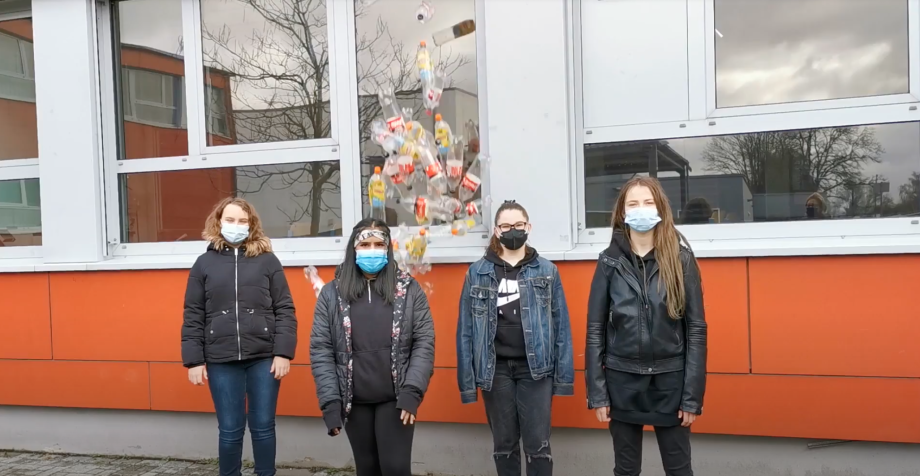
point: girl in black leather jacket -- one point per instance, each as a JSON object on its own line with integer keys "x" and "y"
{"x": 645, "y": 359}
{"x": 372, "y": 352}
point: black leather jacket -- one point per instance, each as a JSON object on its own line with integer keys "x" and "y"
{"x": 412, "y": 356}
{"x": 629, "y": 328}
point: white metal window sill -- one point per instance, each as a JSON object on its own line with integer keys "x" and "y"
{"x": 754, "y": 248}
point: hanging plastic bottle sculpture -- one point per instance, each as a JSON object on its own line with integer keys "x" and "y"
{"x": 377, "y": 196}
{"x": 423, "y": 61}
{"x": 443, "y": 137}
{"x": 391, "y": 111}
{"x": 471, "y": 181}
{"x": 312, "y": 275}
{"x": 424, "y": 12}
{"x": 432, "y": 90}
{"x": 382, "y": 136}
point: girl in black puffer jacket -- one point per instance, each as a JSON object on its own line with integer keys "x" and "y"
{"x": 240, "y": 332}
{"x": 372, "y": 352}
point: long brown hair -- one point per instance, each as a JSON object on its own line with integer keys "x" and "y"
{"x": 494, "y": 244}
{"x": 666, "y": 241}
{"x": 256, "y": 243}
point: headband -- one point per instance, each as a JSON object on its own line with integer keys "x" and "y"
{"x": 371, "y": 233}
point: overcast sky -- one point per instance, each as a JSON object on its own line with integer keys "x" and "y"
{"x": 158, "y": 24}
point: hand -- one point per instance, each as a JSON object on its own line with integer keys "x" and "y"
{"x": 687, "y": 418}
{"x": 407, "y": 418}
{"x": 280, "y": 367}
{"x": 335, "y": 431}
{"x": 602, "y": 414}
{"x": 197, "y": 375}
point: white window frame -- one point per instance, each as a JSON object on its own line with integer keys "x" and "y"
{"x": 866, "y": 235}
{"x": 202, "y": 156}
{"x": 19, "y": 169}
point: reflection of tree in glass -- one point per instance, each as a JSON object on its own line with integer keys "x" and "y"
{"x": 909, "y": 193}
{"x": 814, "y": 160}
{"x": 306, "y": 202}
{"x": 281, "y": 85}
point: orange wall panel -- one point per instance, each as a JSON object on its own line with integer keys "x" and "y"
{"x": 443, "y": 288}
{"x": 305, "y": 304}
{"x": 118, "y": 385}
{"x": 442, "y": 402}
{"x": 26, "y": 317}
{"x": 298, "y": 393}
{"x": 576, "y": 283}
{"x": 725, "y": 297}
{"x": 853, "y": 315}
{"x": 171, "y": 391}
{"x": 846, "y": 408}
{"x": 123, "y": 315}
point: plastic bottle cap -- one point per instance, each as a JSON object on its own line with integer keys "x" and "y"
{"x": 376, "y": 170}
{"x": 422, "y": 232}
{"x": 437, "y": 117}
{"x": 422, "y": 43}
{"x": 454, "y": 231}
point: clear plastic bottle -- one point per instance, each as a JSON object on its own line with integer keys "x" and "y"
{"x": 472, "y": 180}
{"x": 312, "y": 275}
{"x": 424, "y": 12}
{"x": 452, "y": 33}
{"x": 423, "y": 61}
{"x": 428, "y": 158}
{"x": 443, "y": 136}
{"x": 462, "y": 227}
{"x": 391, "y": 111}
{"x": 382, "y": 136}
{"x": 474, "y": 210}
{"x": 427, "y": 210}
{"x": 471, "y": 132}
{"x": 398, "y": 186}
{"x": 454, "y": 166}
{"x": 377, "y": 195}
{"x": 432, "y": 90}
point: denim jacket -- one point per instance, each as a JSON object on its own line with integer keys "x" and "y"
{"x": 544, "y": 317}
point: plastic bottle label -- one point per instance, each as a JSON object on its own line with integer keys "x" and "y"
{"x": 454, "y": 170}
{"x": 470, "y": 182}
{"x": 433, "y": 170}
{"x": 396, "y": 123}
{"x": 421, "y": 207}
{"x": 472, "y": 209}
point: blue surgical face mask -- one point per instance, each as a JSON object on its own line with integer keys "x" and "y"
{"x": 371, "y": 261}
{"x": 642, "y": 219}
{"x": 234, "y": 233}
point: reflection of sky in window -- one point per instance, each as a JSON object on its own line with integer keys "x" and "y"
{"x": 776, "y": 51}
{"x": 900, "y": 158}
{"x": 158, "y": 24}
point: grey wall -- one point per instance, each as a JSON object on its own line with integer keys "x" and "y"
{"x": 439, "y": 448}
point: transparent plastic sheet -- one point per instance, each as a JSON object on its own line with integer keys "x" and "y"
{"x": 312, "y": 275}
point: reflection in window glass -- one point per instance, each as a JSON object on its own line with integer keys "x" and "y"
{"x": 779, "y": 51}
{"x": 18, "y": 124}
{"x": 293, "y": 200}
{"x": 387, "y": 38}
{"x": 271, "y": 61}
{"x": 152, "y": 78}
{"x": 20, "y": 213}
{"x": 809, "y": 174}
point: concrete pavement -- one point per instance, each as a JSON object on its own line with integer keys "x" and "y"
{"x": 44, "y": 464}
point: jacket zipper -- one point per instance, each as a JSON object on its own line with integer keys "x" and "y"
{"x": 368, "y": 292}
{"x": 236, "y": 289}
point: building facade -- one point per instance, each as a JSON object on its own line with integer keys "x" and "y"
{"x": 787, "y": 140}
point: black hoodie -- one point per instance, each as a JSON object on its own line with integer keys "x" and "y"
{"x": 509, "y": 336}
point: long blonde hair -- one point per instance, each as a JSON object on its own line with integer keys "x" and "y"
{"x": 256, "y": 243}
{"x": 666, "y": 240}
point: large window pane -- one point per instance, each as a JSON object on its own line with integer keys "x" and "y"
{"x": 293, "y": 200}
{"x": 20, "y": 213}
{"x": 152, "y": 73}
{"x": 779, "y": 51}
{"x": 270, "y": 62}
{"x": 18, "y": 130}
{"x": 387, "y": 38}
{"x": 832, "y": 173}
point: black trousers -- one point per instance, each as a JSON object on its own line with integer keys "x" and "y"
{"x": 673, "y": 442}
{"x": 381, "y": 444}
{"x": 519, "y": 408}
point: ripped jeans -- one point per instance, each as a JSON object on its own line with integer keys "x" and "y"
{"x": 518, "y": 408}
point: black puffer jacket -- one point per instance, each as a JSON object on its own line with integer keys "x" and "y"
{"x": 237, "y": 308}
{"x": 629, "y": 328}
{"x": 412, "y": 356}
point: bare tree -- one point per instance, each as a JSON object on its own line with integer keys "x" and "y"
{"x": 812, "y": 160}
{"x": 281, "y": 89}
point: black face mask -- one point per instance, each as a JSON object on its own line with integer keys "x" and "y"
{"x": 513, "y": 239}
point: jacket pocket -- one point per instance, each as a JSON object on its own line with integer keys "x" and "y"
{"x": 543, "y": 288}
{"x": 480, "y": 298}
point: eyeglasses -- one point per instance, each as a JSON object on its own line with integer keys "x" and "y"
{"x": 521, "y": 225}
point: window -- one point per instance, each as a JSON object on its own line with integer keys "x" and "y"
{"x": 18, "y": 131}
{"x": 268, "y": 63}
{"x": 220, "y": 119}
{"x": 780, "y": 51}
{"x": 387, "y": 38}
{"x": 799, "y": 175}
{"x": 20, "y": 213}
{"x": 293, "y": 200}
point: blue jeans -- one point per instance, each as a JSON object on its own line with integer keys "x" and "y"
{"x": 233, "y": 385}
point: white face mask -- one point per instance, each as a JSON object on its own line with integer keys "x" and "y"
{"x": 642, "y": 219}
